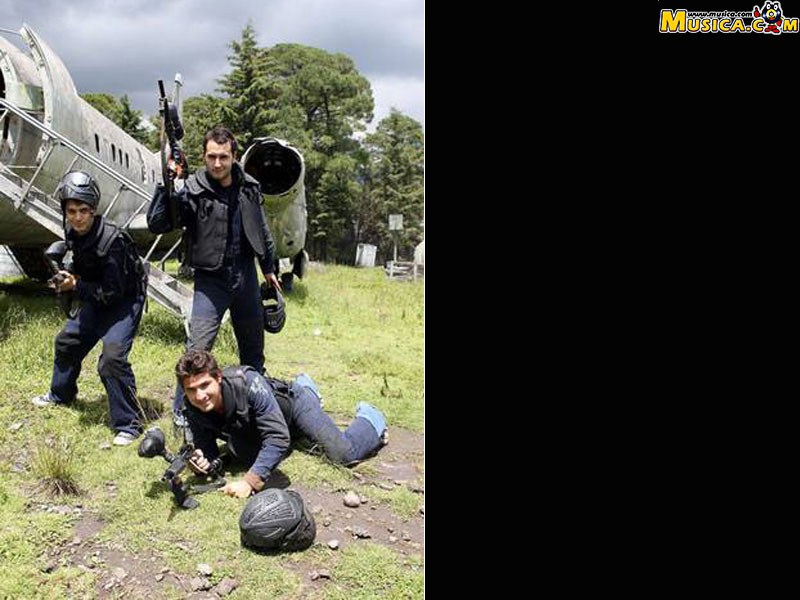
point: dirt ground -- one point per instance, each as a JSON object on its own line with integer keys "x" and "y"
{"x": 122, "y": 574}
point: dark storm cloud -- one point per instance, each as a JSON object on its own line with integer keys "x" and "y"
{"x": 125, "y": 47}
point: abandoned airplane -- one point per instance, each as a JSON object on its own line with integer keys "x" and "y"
{"x": 48, "y": 129}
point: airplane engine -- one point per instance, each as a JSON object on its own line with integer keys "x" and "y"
{"x": 280, "y": 169}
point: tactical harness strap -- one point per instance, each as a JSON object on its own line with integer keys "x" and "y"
{"x": 110, "y": 233}
{"x": 282, "y": 394}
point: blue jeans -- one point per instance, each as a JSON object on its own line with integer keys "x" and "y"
{"x": 116, "y": 325}
{"x": 234, "y": 288}
{"x": 307, "y": 419}
{"x": 357, "y": 442}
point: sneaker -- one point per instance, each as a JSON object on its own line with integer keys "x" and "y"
{"x": 123, "y": 438}
{"x": 44, "y": 400}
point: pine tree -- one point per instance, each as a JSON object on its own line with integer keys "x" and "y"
{"x": 395, "y": 185}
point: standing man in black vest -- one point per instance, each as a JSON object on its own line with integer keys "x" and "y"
{"x": 220, "y": 206}
{"x": 110, "y": 280}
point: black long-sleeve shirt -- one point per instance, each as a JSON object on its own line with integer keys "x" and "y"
{"x": 102, "y": 279}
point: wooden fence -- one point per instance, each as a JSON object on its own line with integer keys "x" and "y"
{"x": 404, "y": 271}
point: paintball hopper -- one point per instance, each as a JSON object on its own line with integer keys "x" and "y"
{"x": 153, "y": 444}
{"x": 55, "y": 253}
{"x": 176, "y": 122}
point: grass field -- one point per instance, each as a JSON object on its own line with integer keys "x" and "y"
{"x": 359, "y": 335}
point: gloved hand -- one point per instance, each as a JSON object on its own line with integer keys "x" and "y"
{"x": 272, "y": 281}
{"x": 198, "y": 463}
{"x": 173, "y": 170}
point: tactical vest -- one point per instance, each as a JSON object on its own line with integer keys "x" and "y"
{"x": 205, "y": 239}
{"x": 234, "y": 385}
{"x": 133, "y": 267}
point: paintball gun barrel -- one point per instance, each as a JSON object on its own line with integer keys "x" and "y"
{"x": 176, "y": 166}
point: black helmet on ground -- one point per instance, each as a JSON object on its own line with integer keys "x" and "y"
{"x": 277, "y": 520}
{"x": 80, "y": 186}
{"x": 274, "y": 308}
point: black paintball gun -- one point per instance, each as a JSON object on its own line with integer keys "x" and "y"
{"x": 173, "y": 160}
{"x": 175, "y": 165}
{"x": 153, "y": 444}
{"x": 56, "y": 255}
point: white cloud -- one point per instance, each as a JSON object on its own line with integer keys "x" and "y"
{"x": 122, "y": 47}
{"x": 406, "y": 94}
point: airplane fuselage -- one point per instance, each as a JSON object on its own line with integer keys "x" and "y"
{"x": 41, "y": 86}
{"x": 48, "y": 129}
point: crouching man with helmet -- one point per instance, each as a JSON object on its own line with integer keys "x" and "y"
{"x": 260, "y": 417}
{"x": 110, "y": 280}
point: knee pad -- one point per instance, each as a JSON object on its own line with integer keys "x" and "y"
{"x": 65, "y": 345}
{"x": 305, "y": 380}
{"x": 112, "y": 362}
{"x": 373, "y": 415}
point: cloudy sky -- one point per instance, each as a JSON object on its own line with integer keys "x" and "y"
{"x": 124, "y": 47}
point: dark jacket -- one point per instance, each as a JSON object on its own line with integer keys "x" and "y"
{"x": 251, "y": 419}
{"x": 204, "y": 213}
{"x": 107, "y": 262}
